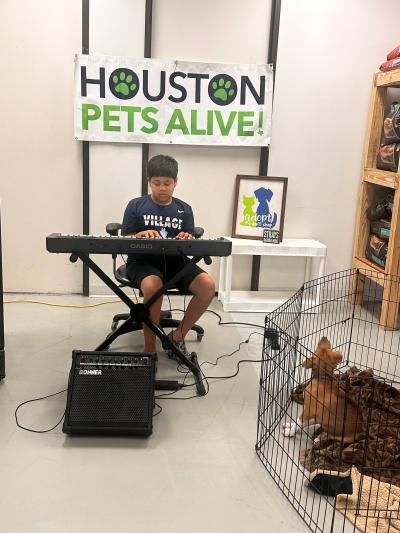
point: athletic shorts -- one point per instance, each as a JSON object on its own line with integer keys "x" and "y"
{"x": 165, "y": 269}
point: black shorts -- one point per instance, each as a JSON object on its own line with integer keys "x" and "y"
{"x": 164, "y": 268}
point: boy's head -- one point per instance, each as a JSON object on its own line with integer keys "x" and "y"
{"x": 162, "y": 171}
{"x": 162, "y": 166}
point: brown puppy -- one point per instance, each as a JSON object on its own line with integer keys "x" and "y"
{"x": 325, "y": 403}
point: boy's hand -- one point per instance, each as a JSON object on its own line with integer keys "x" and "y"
{"x": 184, "y": 235}
{"x": 149, "y": 234}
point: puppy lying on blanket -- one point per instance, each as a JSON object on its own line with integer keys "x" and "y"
{"x": 325, "y": 403}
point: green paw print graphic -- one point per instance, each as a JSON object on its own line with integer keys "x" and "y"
{"x": 222, "y": 89}
{"x": 124, "y": 83}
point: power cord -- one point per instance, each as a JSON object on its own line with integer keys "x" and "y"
{"x": 220, "y": 323}
{"x": 168, "y": 395}
{"x": 87, "y": 306}
{"x": 159, "y": 409}
{"x": 205, "y": 378}
{"x": 36, "y": 400}
{"x": 237, "y": 368}
{"x": 235, "y": 351}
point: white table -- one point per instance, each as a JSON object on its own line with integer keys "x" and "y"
{"x": 265, "y": 301}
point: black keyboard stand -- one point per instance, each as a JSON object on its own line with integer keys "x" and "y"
{"x": 141, "y": 313}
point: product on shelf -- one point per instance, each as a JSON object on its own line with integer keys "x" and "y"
{"x": 381, "y": 228}
{"x": 394, "y": 53}
{"x": 388, "y": 157}
{"x": 381, "y": 209}
{"x": 391, "y": 125}
{"x": 390, "y": 65}
{"x": 376, "y": 250}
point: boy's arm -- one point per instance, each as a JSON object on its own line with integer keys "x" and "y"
{"x": 187, "y": 226}
{"x": 131, "y": 226}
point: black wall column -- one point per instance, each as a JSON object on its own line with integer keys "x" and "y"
{"x": 85, "y": 152}
{"x": 2, "y": 348}
{"x": 147, "y": 53}
{"x": 264, "y": 155}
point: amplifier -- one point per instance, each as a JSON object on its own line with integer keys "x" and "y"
{"x": 110, "y": 393}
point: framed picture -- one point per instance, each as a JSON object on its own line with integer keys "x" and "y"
{"x": 259, "y": 205}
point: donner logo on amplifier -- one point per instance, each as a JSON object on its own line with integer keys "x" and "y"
{"x": 90, "y": 372}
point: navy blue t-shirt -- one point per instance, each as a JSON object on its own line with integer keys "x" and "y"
{"x": 143, "y": 214}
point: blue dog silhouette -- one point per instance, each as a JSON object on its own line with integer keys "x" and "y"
{"x": 264, "y": 196}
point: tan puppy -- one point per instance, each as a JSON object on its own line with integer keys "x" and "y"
{"x": 325, "y": 403}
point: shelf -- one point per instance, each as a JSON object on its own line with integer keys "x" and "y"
{"x": 365, "y": 264}
{"x": 384, "y": 178}
{"x": 382, "y": 82}
{"x": 387, "y": 79}
{"x": 263, "y": 301}
{"x": 254, "y": 301}
{"x": 288, "y": 247}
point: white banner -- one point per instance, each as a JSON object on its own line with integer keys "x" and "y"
{"x": 122, "y": 99}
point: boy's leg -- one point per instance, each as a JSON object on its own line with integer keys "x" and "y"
{"x": 148, "y": 286}
{"x": 203, "y": 290}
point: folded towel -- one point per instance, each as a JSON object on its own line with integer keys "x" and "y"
{"x": 374, "y": 506}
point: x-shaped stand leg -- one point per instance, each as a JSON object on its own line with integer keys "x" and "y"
{"x": 141, "y": 313}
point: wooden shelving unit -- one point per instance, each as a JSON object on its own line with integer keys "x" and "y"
{"x": 371, "y": 176}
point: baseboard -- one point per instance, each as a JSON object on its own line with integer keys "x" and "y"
{"x": 100, "y": 290}
{"x": 2, "y": 364}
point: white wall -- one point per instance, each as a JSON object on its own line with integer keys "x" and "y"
{"x": 328, "y": 51}
{"x": 40, "y": 163}
{"x": 116, "y": 28}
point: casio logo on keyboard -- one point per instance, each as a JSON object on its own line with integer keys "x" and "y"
{"x": 141, "y": 246}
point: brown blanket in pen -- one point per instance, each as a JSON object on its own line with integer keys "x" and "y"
{"x": 376, "y": 453}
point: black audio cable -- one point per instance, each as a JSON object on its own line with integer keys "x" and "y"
{"x": 36, "y": 400}
{"x": 206, "y": 378}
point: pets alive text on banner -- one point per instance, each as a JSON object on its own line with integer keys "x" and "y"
{"x": 122, "y": 99}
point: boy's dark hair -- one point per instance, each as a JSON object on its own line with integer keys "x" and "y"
{"x": 162, "y": 166}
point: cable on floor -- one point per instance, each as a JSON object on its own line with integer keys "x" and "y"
{"x": 205, "y": 378}
{"x": 86, "y": 306}
{"x": 36, "y": 400}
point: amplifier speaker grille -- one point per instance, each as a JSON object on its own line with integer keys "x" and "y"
{"x": 110, "y": 393}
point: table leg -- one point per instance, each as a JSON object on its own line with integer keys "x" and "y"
{"x": 255, "y": 272}
{"x": 228, "y": 282}
{"x": 390, "y": 304}
{"x": 321, "y": 270}
{"x": 307, "y": 270}
{"x": 221, "y": 286}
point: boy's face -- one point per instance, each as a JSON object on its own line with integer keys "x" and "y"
{"x": 162, "y": 189}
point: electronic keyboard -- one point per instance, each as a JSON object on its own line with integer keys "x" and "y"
{"x": 109, "y": 244}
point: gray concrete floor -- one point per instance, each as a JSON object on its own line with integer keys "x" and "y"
{"x": 197, "y": 472}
